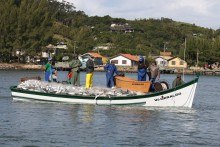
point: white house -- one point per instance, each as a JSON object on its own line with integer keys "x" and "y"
{"x": 104, "y": 47}
{"x": 162, "y": 60}
{"x": 125, "y": 60}
{"x": 53, "y": 50}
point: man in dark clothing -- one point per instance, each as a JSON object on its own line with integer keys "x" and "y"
{"x": 110, "y": 69}
{"x": 142, "y": 70}
{"x": 178, "y": 81}
{"x": 75, "y": 65}
{"x": 89, "y": 72}
{"x": 155, "y": 74}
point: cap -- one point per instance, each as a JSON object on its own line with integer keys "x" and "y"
{"x": 49, "y": 59}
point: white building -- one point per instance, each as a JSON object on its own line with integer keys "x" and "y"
{"x": 162, "y": 61}
{"x": 170, "y": 62}
{"x": 125, "y": 60}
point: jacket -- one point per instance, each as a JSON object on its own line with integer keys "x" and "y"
{"x": 75, "y": 65}
{"x": 90, "y": 66}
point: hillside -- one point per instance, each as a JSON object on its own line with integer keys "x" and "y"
{"x": 30, "y": 25}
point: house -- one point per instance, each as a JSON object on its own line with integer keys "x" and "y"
{"x": 104, "y": 47}
{"x": 54, "y": 49}
{"x": 61, "y": 45}
{"x": 125, "y": 60}
{"x": 176, "y": 62}
{"x": 161, "y": 62}
{"x": 169, "y": 54}
{"x": 126, "y": 28}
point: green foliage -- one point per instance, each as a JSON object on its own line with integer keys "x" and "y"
{"x": 33, "y": 24}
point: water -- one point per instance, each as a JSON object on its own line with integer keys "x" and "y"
{"x": 56, "y": 124}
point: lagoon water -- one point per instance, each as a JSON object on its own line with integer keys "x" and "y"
{"x": 57, "y": 124}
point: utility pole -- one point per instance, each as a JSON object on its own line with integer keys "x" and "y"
{"x": 164, "y": 47}
{"x": 184, "y": 58}
{"x": 197, "y": 54}
{"x": 197, "y": 58}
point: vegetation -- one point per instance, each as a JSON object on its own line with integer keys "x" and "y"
{"x": 30, "y": 25}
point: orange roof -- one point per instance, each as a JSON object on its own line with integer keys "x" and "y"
{"x": 165, "y": 53}
{"x": 95, "y": 55}
{"x": 131, "y": 57}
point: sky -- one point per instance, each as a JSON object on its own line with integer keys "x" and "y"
{"x": 205, "y": 13}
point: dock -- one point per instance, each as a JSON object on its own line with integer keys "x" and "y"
{"x": 214, "y": 72}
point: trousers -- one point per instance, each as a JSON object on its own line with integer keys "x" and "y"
{"x": 109, "y": 81}
{"x": 48, "y": 76}
{"x": 89, "y": 80}
{"x": 75, "y": 80}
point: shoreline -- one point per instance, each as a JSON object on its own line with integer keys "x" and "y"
{"x": 20, "y": 66}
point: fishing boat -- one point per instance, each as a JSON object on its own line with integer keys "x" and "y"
{"x": 180, "y": 96}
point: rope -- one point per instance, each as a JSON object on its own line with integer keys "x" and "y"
{"x": 96, "y": 98}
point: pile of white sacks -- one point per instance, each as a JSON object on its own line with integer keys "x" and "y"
{"x": 58, "y": 88}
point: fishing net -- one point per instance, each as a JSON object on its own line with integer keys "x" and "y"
{"x": 58, "y": 88}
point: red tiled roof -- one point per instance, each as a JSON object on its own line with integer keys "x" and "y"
{"x": 95, "y": 55}
{"x": 131, "y": 57}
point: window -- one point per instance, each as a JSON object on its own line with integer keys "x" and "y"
{"x": 181, "y": 62}
{"x": 115, "y": 61}
{"x": 124, "y": 61}
{"x": 173, "y": 63}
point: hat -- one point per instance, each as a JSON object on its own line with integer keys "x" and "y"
{"x": 141, "y": 59}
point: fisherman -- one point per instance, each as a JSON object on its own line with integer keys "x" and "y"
{"x": 155, "y": 73}
{"x": 142, "y": 70}
{"x": 75, "y": 65}
{"x": 89, "y": 72}
{"x": 178, "y": 81}
{"x": 110, "y": 70}
{"x": 54, "y": 72}
{"x": 54, "y": 75}
{"x": 48, "y": 70}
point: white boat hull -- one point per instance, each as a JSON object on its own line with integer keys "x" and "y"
{"x": 181, "y": 96}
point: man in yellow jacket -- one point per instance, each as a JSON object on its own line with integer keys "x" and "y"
{"x": 89, "y": 72}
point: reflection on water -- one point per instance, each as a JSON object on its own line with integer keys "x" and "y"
{"x": 35, "y": 123}
{"x": 87, "y": 113}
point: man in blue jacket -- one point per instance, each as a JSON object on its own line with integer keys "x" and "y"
{"x": 110, "y": 69}
{"x": 142, "y": 70}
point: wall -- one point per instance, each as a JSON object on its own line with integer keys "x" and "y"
{"x": 159, "y": 60}
{"x": 120, "y": 58}
{"x": 177, "y": 65}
